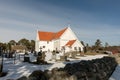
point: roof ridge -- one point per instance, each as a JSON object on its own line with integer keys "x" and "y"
{"x": 51, "y": 35}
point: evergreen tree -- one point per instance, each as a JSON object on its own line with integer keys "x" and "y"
{"x": 98, "y": 44}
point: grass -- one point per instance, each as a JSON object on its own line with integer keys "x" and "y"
{"x": 82, "y": 53}
{"x": 90, "y": 53}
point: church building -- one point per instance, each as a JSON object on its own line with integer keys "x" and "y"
{"x": 63, "y": 40}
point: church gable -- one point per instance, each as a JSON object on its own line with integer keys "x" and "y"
{"x": 69, "y": 35}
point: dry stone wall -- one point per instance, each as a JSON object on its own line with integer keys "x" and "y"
{"x": 97, "y": 69}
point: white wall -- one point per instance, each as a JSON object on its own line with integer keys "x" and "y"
{"x": 63, "y": 42}
{"x": 77, "y": 45}
{"x": 68, "y": 35}
{"x": 57, "y": 44}
{"x": 37, "y": 43}
{"x": 48, "y": 45}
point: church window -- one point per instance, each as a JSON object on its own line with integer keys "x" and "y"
{"x": 75, "y": 48}
{"x": 43, "y": 46}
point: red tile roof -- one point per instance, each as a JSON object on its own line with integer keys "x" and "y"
{"x": 45, "y": 36}
{"x": 58, "y": 34}
{"x": 70, "y": 43}
{"x": 48, "y": 36}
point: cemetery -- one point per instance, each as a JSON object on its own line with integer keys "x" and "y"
{"x": 51, "y": 66}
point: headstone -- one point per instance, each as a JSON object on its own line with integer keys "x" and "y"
{"x": 26, "y": 57}
{"x": 0, "y": 51}
{"x": 63, "y": 58}
{"x": 1, "y": 67}
{"x": 57, "y": 56}
{"x": 48, "y": 56}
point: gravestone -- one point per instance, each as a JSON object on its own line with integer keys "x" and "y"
{"x": 48, "y": 56}
{"x": 1, "y": 67}
{"x": 26, "y": 57}
{"x": 41, "y": 58}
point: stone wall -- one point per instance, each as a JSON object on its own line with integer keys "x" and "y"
{"x": 97, "y": 69}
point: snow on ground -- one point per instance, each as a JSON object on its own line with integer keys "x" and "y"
{"x": 21, "y": 68}
{"x": 116, "y": 74}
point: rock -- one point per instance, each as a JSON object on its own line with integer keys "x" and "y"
{"x": 37, "y": 75}
{"x": 22, "y": 78}
{"x": 97, "y": 69}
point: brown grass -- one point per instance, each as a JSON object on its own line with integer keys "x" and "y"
{"x": 90, "y": 53}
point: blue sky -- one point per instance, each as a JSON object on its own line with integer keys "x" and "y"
{"x": 89, "y": 19}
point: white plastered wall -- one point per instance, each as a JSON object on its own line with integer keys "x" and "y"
{"x": 70, "y": 35}
{"x": 48, "y": 45}
{"x": 37, "y": 43}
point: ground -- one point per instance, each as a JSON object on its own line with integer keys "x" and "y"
{"x": 21, "y": 68}
{"x": 116, "y": 73}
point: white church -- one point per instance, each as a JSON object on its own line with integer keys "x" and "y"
{"x": 64, "y": 39}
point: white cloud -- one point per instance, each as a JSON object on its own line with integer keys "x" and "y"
{"x": 15, "y": 22}
{"x": 18, "y": 22}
